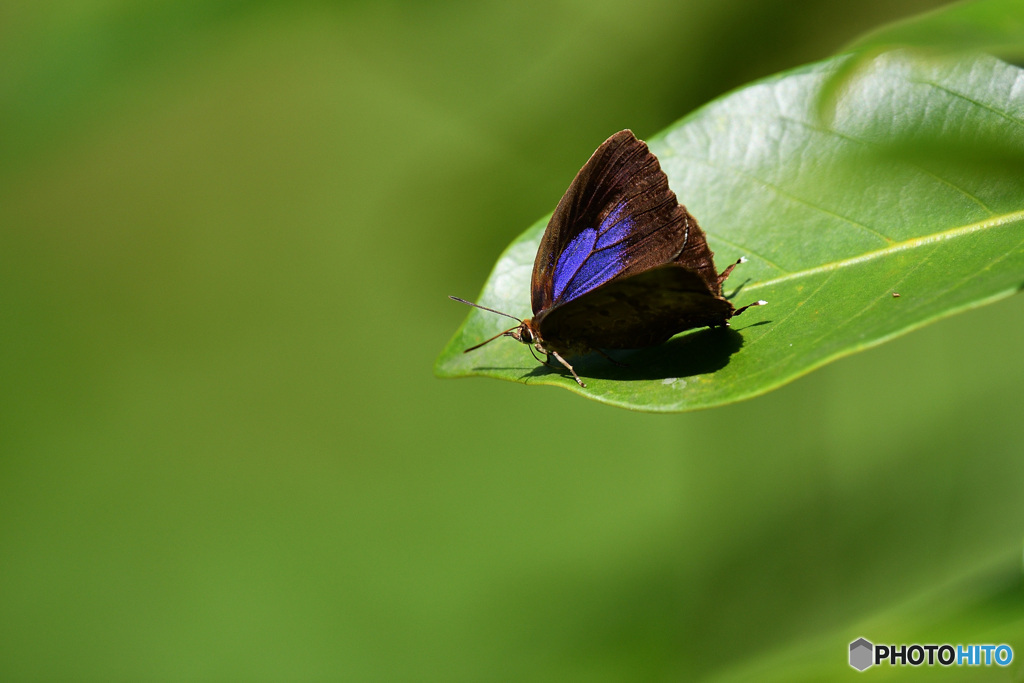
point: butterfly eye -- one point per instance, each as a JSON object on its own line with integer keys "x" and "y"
{"x": 521, "y": 334}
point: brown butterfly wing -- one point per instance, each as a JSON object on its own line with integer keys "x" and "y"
{"x": 635, "y": 311}
{"x": 617, "y": 218}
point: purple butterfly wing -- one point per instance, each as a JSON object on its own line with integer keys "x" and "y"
{"x": 617, "y": 218}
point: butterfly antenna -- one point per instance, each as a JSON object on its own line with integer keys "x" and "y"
{"x": 762, "y": 302}
{"x": 725, "y": 273}
{"x": 500, "y": 334}
{"x": 470, "y": 303}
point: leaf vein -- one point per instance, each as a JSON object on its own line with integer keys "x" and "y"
{"x": 1006, "y": 115}
{"x": 967, "y": 278}
{"x": 794, "y": 310}
{"x": 874, "y": 145}
{"x": 886, "y": 295}
{"x": 745, "y": 251}
{"x": 913, "y": 243}
{"x": 796, "y": 198}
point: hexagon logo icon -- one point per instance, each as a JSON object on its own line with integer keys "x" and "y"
{"x": 861, "y": 654}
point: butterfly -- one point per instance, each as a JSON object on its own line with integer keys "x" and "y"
{"x": 622, "y": 264}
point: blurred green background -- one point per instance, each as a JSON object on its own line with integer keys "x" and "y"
{"x": 227, "y": 230}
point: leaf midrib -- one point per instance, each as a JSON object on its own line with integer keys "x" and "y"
{"x": 913, "y": 243}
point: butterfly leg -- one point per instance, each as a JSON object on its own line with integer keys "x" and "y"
{"x": 725, "y": 273}
{"x": 611, "y": 360}
{"x": 543, "y": 362}
{"x": 762, "y": 302}
{"x": 566, "y": 364}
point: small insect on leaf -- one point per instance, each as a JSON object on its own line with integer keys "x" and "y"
{"x": 622, "y": 264}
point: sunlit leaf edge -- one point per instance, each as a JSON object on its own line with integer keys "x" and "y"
{"x": 443, "y": 368}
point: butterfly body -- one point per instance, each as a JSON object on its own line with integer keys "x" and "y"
{"x": 622, "y": 265}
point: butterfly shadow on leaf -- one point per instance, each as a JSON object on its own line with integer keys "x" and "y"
{"x": 735, "y": 292}
{"x": 623, "y": 265}
{"x": 697, "y": 353}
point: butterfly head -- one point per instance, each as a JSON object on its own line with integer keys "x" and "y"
{"x": 525, "y": 332}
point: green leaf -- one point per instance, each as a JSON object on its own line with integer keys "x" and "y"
{"x": 983, "y": 607}
{"x": 915, "y": 187}
{"x": 993, "y": 26}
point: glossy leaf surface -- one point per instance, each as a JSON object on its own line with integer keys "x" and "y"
{"x": 915, "y": 187}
